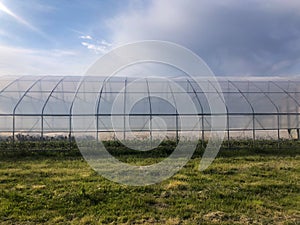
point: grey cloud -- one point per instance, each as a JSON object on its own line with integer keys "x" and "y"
{"x": 234, "y": 37}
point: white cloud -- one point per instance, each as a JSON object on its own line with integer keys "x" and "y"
{"x": 99, "y": 47}
{"x": 87, "y": 37}
{"x": 105, "y": 43}
{"x": 23, "y": 61}
{"x": 234, "y": 37}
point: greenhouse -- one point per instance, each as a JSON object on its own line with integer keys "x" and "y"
{"x": 41, "y": 108}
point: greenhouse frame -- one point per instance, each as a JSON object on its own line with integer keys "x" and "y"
{"x": 41, "y": 108}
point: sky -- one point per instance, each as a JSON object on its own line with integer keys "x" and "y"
{"x": 234, "y": 37}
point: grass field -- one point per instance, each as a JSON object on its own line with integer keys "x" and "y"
{"x": 240, "y": 187}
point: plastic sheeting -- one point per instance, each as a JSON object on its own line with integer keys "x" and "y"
{"x": 43, "y": 105}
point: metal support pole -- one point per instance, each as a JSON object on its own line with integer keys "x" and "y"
{"x": 202, "y": 124}
{"x": 13, "y": 134}
{"x": 253, "y": 131}
{"x": 124, "y": 117}
{"x": 177, "y": 136}
{"x": 150, "y": 109}
{"x": 227, "y": 112}
{"x": 97, "y": 107}
{"x": 43, "y": 110}
{"x": 202, "y": 111}
{"x": 176, "y": 117}
{"x": 278, "y": 131}
{"x": 252, "y": 109}
{"x": 42, "y": 131}
{"x": 2, "y": 91}
{"x": 276, "y": 107}
{"x": 70, "y": 132}
{"x": 288, "y": 94}
{"x": 228, "y": 135}
{"x": 18, "y": 103}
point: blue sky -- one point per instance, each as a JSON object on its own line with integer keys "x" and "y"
{"x": 58, "y": 22}
{"x": 235, "y": 37}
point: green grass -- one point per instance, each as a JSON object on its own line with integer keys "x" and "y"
{"x": 242, "y": 186}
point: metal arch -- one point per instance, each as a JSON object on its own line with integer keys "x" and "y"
{"x": 150, "y": 109}
{"x": 98, "y": 106}
{"x": 202, "y": 111}
{"x": 252, "y": 109}
{"x": 100, "y": 94}
{"x": 26, "y": 92}
{"x": 19, "y": 101}
{"x": 44, "y": 106}
{"x": 228, "y": 135}
{"x": 289, "y": 82}
{"x": 276, "y": 107}
{"x": 74, "y": 97}
{"x": 287, "y": 93}
{"x": 253, "y": 113}
{"x": 177, "y": 136}
{"x": 50, "y": 94}
{"x": 124, "y": 109}
{"x": 295, "y": 100}
{"x": 297, "y": 116}
{"x": 5, "y": 88}
{"x": 11, "y": 83}
{"x": 265, "y": 93}
{"x": 70, "y": 112}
